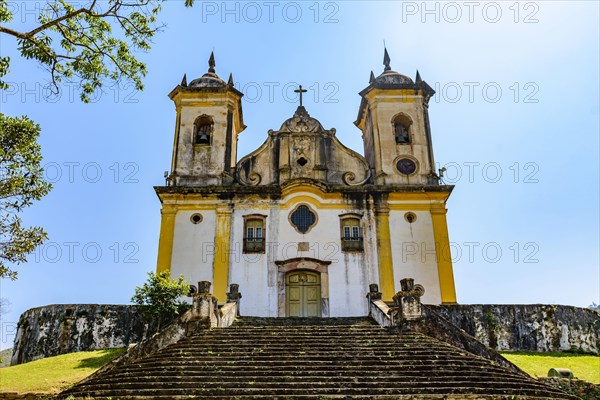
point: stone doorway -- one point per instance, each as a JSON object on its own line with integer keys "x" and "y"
{"x": 316, "y": 275}
{"x": 303, "y": 294}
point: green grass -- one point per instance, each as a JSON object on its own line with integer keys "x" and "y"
{"x": 584, "y": 367}
{"x": 52, "y": 374}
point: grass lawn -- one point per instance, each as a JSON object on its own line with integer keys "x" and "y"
{"x": 584, "y": 367}
{"x": 52, "y": 374}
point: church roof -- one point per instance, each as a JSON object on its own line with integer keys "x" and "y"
{"x": 209, "y": 82}
{"x": 209, "y": 79}
{"x": 390, "y": 77}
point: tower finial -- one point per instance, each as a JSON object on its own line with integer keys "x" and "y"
{"x": 418, "y": 78}
{"x": 184, "y": 80}
{"x": 230, "y": 80}
{"x": 211, "y": 62}
{"x": 386, "y": 60}
{"x": 372, "y": 77}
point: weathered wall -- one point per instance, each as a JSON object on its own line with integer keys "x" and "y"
{"x": 59, "y": 329}
{"x": 533, "y": 327}
{"x": 65, "y": 328}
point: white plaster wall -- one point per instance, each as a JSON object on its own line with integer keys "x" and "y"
{"x": 413, "y": 252}
{"x": 193, "y": 246}
{"x": 250, "y": 271}
{"x": 349, "y": 273}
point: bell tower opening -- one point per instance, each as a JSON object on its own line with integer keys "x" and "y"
{"x": 203, "y": 128}
{"x": 402, "y": 124}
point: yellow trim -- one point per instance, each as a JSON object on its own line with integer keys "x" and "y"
{"x": 165, "y": 241}
{"x": 311, "y": 195}
{"x": 195, "y": 207}
{"x": 221, "y": 260}
{"x": 403, "y": 196}
{"x": 394, "y": 95}
{"x": 294, "y": 201}
{"x": 304, "y": 188}
{"x": 442, "y": 250}
{"x": 384, "y": 251}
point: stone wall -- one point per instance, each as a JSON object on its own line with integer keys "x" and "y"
{"x": 66, "y": 328}
{"x": 59, "y": 329}
{"x": 533, "y": 327}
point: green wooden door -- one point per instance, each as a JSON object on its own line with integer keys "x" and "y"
{"x": 303, "y": 294}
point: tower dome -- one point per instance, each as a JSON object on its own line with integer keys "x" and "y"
{"x": 209, "y": 79}
{"x": 389, "y": 76}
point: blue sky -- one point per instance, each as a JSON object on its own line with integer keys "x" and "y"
{"x": 515, "y": 122}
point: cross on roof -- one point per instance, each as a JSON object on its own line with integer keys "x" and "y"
{"x": 300, "y": 90}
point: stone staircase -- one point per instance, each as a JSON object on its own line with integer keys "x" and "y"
{"x": 312, "y": 358}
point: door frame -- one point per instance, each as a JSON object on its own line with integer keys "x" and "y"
{"x": 308, "y": 264}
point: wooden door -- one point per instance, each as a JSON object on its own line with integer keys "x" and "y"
{"x": 303, "y": 294}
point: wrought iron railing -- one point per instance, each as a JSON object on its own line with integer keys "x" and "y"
{"x": 352, "y": 243}
{"x": 254, "y": 245}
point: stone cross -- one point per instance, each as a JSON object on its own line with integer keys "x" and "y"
{"x": 300, "y": 90}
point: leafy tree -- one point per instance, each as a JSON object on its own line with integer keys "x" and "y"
{"x": 21, "y": 182}
{"x": 90, "y": 42}
{"x": 93, "y": 42}
{"x": 160, "y": 297}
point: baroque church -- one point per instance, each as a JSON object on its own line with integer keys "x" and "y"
{"x": 305, "y": 227}
{"x": 303, "y": 224}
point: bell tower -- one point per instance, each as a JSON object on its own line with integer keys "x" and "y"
{"x": 209, "y": 120}
{"x": 393, "y": 117}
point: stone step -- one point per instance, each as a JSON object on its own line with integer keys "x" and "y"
{"x": 308, "y": 358}
{"x": 495, "y": 389}
{"x": 298, "y": 321}
{"x": 299, "y": 364}
{"x": 315, "y": 387}
{"x": 272, "y": 376}
{"x": 266, "y": 396}
{"x": 188, "y": 382}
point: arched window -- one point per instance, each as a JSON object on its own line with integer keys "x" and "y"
{"x": 254, "y": 233}
{"x": 401, "y": 129}
{"x": 203, "y": 129}
{"x": 352, "y": 234}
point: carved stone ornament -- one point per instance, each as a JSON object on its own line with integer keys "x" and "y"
{"x": 408, "y": 301}
{"x": 301, "y": 122}
{"x": 301, "y": 145}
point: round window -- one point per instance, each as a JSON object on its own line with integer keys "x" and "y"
{"x": 410, "y": 217}
{"x": 196, "y": 218}
{"x": 406, "y": 166}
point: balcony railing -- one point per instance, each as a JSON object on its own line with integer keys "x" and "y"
{"x": 352, "y": 243}
{"x": 254, "y": 245}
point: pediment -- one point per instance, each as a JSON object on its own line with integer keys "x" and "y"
{"x": 308, "y": 154}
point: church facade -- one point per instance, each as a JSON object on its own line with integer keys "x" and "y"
{"x": 304, "y": 224}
